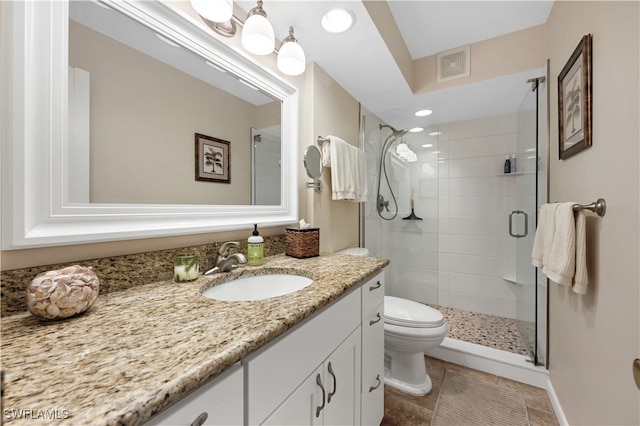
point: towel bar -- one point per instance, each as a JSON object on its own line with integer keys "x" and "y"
{"x": 322, "y": 140}
{"x": 599, "y": 207}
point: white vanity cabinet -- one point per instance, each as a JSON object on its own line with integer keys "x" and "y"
{"x": 373, "y": 350}
{"x": 285, "y": 379}
{"x": 219, "y": 402}
{"x": 329, "y": 396}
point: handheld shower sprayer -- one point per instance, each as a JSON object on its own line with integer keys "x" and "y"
{"x": 382, "y": 203}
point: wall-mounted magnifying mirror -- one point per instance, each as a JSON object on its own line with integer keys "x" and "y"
{"x": 313, "y": 165}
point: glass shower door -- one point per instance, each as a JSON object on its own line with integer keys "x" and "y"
{"x": 530, "y": 190}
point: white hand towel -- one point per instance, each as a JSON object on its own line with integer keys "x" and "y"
{"x": 561, "y": 266}
{"x": 537, "y": 252}
{"x": 348, "y": 171}
{"x": 581, "y": 278}
{"x": 326, "y": 152}
{"x": 543, "y": 239}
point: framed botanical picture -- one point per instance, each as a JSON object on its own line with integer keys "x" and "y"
{"x": 575, "y": 101}
{"x": 213, "y": 159}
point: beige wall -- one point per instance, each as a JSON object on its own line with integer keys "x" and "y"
{"x": 499, "y": 56}
{"x": 335, "y": 112}
{"x": 594, "y": 338}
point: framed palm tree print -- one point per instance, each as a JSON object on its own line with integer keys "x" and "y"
{"x": 575, "y": 101}
{"x": 213, "y": 159}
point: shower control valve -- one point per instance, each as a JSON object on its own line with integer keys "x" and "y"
{"x": 382, "y": 204}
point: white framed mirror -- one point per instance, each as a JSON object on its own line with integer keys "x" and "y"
{"x": 37, "y": 209}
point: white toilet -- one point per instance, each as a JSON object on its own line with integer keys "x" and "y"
{"x": 410, "y": 329}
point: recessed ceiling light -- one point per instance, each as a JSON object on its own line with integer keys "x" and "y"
{"x": 338, "y": 20}
{"x": 427, "y": 145}
{"x": 423, "y": 113}
{"x": 416, "y": 130}
{"x": 435, "y": 133}
{"x": 436, "y": 152}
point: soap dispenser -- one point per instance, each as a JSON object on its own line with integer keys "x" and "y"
{"x": 255, "y": 248}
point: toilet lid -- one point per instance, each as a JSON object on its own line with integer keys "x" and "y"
{"x": 407, "y": 313}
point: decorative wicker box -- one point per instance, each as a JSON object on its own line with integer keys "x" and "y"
{"x": 302, "y": 243}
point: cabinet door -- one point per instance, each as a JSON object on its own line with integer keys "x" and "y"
{"x": 304, "y": 406}
{"x": 342, "y": 383}
{"x": 219, "y": 402}
{"x": 275, "y": 371}
{"x": 373, "y": 367}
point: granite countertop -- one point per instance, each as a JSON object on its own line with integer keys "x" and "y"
{"x": 137, "y": 351}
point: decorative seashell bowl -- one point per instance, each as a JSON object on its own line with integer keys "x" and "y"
{"x": 62, "y": 293}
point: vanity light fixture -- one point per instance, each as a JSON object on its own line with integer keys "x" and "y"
{"x": 291, "y": 59}
{"x": 258, "y": 36}
{"x": 257, "y": 33}
{"x": 338, "y": 20}
{"x": 423, "y": 113}
{"x": 219, "y": 11}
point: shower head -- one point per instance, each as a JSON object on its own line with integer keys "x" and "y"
{"x": 395, "y": 133}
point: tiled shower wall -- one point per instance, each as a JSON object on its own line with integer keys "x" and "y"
{"x": 460, "y": 254}
{"x": 477, "y": 257}
{"x": 410, "y": 245}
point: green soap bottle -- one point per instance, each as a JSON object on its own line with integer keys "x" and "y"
{"x": 255, "y": 248}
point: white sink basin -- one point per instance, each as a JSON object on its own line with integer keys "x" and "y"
{"x": 257, "y": 287}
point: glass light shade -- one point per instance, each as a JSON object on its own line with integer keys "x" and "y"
{"x": 291, "y": 59}
{"x": 214, "y": 10}
{"x": 258, "y": 36}
{"x": 403, "y": 147}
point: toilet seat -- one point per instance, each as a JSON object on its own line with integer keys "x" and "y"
{"x": 407, "y": 313}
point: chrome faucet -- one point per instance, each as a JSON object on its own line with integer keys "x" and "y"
{"x": 226, "y": 262}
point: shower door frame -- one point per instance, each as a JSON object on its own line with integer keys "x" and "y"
{"x": 540, "y": 87}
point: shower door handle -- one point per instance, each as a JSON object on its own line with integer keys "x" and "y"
{"x": 526, "y": 224}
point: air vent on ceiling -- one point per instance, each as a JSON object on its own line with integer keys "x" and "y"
{"x": 455, "y": 63}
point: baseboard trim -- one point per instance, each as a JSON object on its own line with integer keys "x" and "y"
{"x": 555, "y": 403}
{"x": 494, "y": 361}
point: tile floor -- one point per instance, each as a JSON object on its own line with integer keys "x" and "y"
{"x": 487, "y": 330}
{"x": 401, "y": 409}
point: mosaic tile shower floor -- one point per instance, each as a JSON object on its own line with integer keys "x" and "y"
{"x": 487, "y": 330}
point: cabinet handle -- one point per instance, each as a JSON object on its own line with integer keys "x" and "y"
{"x": 375, "y": 287}
{"x": 319, "y": 382}
{"x": 335, "y": 383}
{"x": 371, "y": 322}
{"x": 372, "y": 388}
{"x": 199, "y": 421}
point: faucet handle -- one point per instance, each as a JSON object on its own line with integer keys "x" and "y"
{"x": 224, "y": 248}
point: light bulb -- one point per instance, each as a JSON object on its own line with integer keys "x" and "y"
{"x": 214, "y": 10}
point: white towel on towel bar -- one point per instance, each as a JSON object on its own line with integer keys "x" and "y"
{"x": 348, "y": 171}
{"x": 326, "y": 151}
{"x": 559, "y": 246}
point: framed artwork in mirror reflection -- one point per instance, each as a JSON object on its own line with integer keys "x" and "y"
{"x": 213, "y": 159}
{"x": 575, "y": 101}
